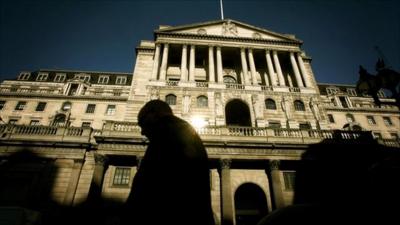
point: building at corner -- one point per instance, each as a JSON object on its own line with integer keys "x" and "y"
{"x": 250, "y": 93}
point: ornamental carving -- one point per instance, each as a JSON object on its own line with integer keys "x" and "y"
{"x": 274, "y": 164}
{"x": 201, "y": 31}
{"x": 229, "y": 28}
{"x": 225, "y": 163}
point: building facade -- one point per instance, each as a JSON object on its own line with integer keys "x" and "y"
{"x": 250, "y": 93}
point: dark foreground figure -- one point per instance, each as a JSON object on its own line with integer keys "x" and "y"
{"x": 172, "y": 185}
{"x": 344, "y": 183}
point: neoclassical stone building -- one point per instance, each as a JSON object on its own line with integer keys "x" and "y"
{"x": 250, "y": 93}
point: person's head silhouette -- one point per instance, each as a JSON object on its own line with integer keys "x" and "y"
{"x": 151, "y": 112}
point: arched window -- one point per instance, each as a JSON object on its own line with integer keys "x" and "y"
{"x": 202, "y": 101}
{"x": 299, "y": 106}
{"x": 229, "y": 80}
{"x": 350, "y": 118}
{"x": 170, "y": 99}
{"x": 270, "y": 104}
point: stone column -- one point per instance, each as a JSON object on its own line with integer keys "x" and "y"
{"x": 219, "y": 65}
{"x": 296, "y": 70}
{"x": 303, "y": 70}
{"x": 271, "y": 72}
{"x": 164, "y": 62}
{"x": 276, "y": 183}
{"x": 252, "y": 67}
{"x": 244, "y": 66}
{"x": 278, "y": 69}
{"x": 156, "y": 63}
{"x": 73, "y": 182}
{"x": 211, "y": 69}
{"x": 96, "y": 185}
{"x": 184, "y": 63}
{"x": 227, "y": 206}
{"x": 192, "y": 62}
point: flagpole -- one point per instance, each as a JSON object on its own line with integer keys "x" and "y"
{"x": 222, "y": 10}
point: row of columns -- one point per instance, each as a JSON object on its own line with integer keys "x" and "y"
{"x": 273, "y": 66}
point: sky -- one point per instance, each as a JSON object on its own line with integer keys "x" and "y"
{"x": 339, "y": 35}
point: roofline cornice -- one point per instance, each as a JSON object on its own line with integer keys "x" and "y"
{"x": 228, "y": 38}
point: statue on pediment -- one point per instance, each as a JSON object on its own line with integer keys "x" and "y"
{"x": 229, "y": 28}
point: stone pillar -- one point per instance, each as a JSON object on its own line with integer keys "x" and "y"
{"x": 271, "y": 72}
{"x": 164, "y": 62}
{"x": 73, "y": 182}
{"x": 252, "y": 67}
{"x": 192, "y": 62}
{"x": 96, "y": 185}
{"x": 276, "y": 183}
{"x": 219, "y": 65}
{"x": 278, "y": 69}
{"x": 303, "y": 71}
{"x": 227, "y": 206}
{"x": 156, "y": 63}
{"x": 296, "y": 70}
{"x": 184, "y": 63}
{"x": 244, "y": 66}
{"x": 211, "y": 69}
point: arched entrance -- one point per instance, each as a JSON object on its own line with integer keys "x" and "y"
{"x": 250, "y": 204}
{"x": 237, "y": 114}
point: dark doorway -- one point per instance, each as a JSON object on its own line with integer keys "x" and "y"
{"x": 250, "y": 204}
{"x": 237, "y": 114}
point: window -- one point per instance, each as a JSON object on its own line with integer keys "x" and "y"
{"x": 90, "y": 108}
{"x": 377, "y": 135}
{"x": 34, "y": 122}
{"x": 351, "y": 92}
{"x": 83, "y": 77}
{"x": 2, "y": 104}
{"x": 42, "y": 77}
{"x": 59, "y": 78}
{"x": 170, "y": 99}
{"x": 274, "y": 124}
{"x": 371, "y": 120}
{"x": 229, "y": 80}
{"x": 202, "y": 101}
{"x": 110, "y": 110}
{"x": 330, "y": 118}
{"x": 24, "y": 76}
{"x": 121, "y": 80}
{"x": 332, "y": 90}
{"x": 387, "y": 121}
{"x": 12, "y": 121}
{"x": 86, "y": 124}
{"x": 343, "y": 102}
{"x": 41, "y": 106}
{"x": 289, "y": 179}
{"x": 59, "y": 120}
{"x": 299, "y": 106}
{"x": 304, "y": 126}
{"x": 270, "y": 104}
{"x": 122, "y": 176}
{"x": 350, "y": 118}
{"x": 103, "y": 79}
{"x": 394, "y": 136}
{"x": 20, "y": 106}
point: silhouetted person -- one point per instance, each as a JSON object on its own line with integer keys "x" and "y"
{"x": 172, "y": 185}
{"x": 344, "y": 183}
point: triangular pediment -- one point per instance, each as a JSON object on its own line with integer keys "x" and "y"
{"x": 228, "y": 28}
